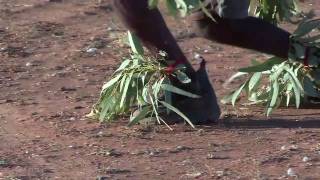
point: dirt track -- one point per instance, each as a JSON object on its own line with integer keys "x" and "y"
{"x": 49, "y": 81}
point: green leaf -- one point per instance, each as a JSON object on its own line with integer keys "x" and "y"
{"x": 297, "y": 92}
{"x": 123, "y": 65}
{"x": 294, "y": 77}
{"x": 171, "y": 88}
{"x": 145, "y": 94}
{"x": 255, "y": 62}
{"x": 182, "y": 77}
{"x": 123, "y": 80}
{"x": 135, "y": 44}
{"x": 143, "y": 78}
{"x": 142, "y": 114}
{"x": 265, "y": 66}
{"x": 227, "y": 99}
{"x": 156, "y": 89}
{"x": 312, "y": 39}
{"x": 254, "y": 80}
{"x": 253, "y": 7}
{"x": 233, "y": 77}
{"x": 299, "y": 51}
{"x": 111, "y": 82}
{"x": 310, "y": 88}
{"x": 178, "y": 112}
{"x": 237, "y": 93}
{"x": 206, "y": 12}
{"x": 92, "y": 114}
{"x": 106, "y": 105}
{"x": 274, "y": 97}
{"x": 306, "y": 27}
{"x": 172, "y": 7}
{"x": 275, "y": 91}
{"x": 167, "y": 96}
{"x": 153, "y": 3}
{"x": 182, "y": 6}
{"x": 288, "y": 93}
{"x": 125, "y": 90}
{"x": 155, "y": 108}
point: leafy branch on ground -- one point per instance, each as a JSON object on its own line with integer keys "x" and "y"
{"x": 277, "y": 81}
{"x": 141, "y": 84}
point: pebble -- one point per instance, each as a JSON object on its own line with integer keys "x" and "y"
{"x": 197, "y": 56}
{"x": 185, "y": 162}
{"x": 138, "y": 152}
{"x": 116, "y": 171}
{"x": 194, "y": 175}
{"x": 293, "y": 147}
{"x": 154, "y": 153}
{"x": 291, "y": 173}
{"x": 92, "y": 50}
{"x": 201, "y": 132}
{"x": 113, "y": 153}
{"x": 220, "y": 173}
{"x": 103, "y": 177}
{"x": 210, "y": 156}
{"x": 180, "y": 149}
{"x": 28, "y": 64}
{"x": 100, "y": 133}
{"x": 305, "y": 159}
{"x": 290, "y": 148}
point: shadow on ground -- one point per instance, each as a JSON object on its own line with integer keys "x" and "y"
{"x": 270, "y": 123}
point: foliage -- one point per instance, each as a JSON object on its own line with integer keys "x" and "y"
{"x": 278, "y": 81}
{"x": 140, "y": 84}
{"x": 274, "y": 11}
{"x": 184, "y": 7}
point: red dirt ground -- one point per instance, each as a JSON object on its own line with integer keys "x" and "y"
{"x": 48, "y": 82}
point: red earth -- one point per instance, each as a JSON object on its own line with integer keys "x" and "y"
{"x": 49, "y": 80}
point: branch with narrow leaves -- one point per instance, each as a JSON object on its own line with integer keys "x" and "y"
{"x": 273, "y": 11}
{"x": 277, "y": 81}
{"x": 141, "y": 84}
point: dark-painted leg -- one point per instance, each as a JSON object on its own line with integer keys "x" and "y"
{"x": 150, "y": 27}
{"x": 250, "y": 33}
{"x": 152, "y": 30}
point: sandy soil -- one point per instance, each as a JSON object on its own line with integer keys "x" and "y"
{"x": 48, "y": 82}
